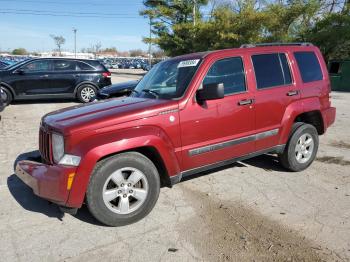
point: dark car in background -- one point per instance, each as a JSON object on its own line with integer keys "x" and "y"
{"x": 47, "y": 78}
{"x": 117, "y": 90}
{"x": 3, "y": 64}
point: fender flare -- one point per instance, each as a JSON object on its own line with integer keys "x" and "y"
{"x": 84, "y": 83}
{"x": 292, "y": 111}
{"x": 113, "y": 144}
{"x": 10, "y": 88}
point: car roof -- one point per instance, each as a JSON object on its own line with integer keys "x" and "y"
{"x": 61, "y": 58}
{"x": 248, "y": 48}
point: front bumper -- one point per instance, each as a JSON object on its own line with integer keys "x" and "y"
{"x": 47, "y": 181}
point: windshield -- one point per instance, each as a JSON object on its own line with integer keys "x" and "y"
{"x": 167, "y": 80}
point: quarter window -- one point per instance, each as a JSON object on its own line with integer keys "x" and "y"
{"x": 271, "y": 70}
{"x": 334, "y": 68}
{"x": 309, "y": 66}
{"x": 230, "y": 73}
{"x": 85, "y": 67}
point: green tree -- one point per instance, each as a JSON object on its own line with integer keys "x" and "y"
{"x": 19, "y": 51}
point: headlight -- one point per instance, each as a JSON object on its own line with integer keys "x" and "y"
{"x": 57, "y": 147}
{"x": 58, "y": 152}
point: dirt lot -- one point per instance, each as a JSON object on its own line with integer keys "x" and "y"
{"x": 249, "y": 211}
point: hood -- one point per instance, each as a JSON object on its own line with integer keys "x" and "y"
{"x": 94, "y": 116}
{"x": 119, "y": 87}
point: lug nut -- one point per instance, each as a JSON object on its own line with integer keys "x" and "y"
{"x": 119, "y": 191}
{"x": 130, "y": 191}
{"x": 124, "y": 195}
{"x": 129, "y": 184}
{"x": 122, "y": 185}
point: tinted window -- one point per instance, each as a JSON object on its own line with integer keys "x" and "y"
{"x": 39, "y": 65}
{"x": 84, "y": 66}
{"x": 64, "y": 65}
{"x": 228, "y": 71}
{"x": 271, "y": 70}
{"x": 309, "y": 66}
{"x": 334, "y": 68}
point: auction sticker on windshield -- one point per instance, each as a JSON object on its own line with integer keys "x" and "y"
{"x": 188, "y": 63}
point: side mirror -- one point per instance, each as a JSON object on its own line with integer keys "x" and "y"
{"x": 19, "y": 71}
{"x": 210, "y": 92}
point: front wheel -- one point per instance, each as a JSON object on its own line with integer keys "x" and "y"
{"x": 301, "y": 148}
{"x": 87, "y": 93}
{"x": 123, "y": 189}
{"x": 6, "y": 96}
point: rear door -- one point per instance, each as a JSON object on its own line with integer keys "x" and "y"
{"x": 218, "y": 130}
{"x": 275, "y": 89}
{"x": 64, "y": 77}
{"x": 32, "y": 78}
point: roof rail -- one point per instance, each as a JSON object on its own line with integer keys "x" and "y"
{"x": 276, "y": 44}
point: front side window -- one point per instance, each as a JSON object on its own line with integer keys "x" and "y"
{"x": 271, "y": 70}
{"x": 168, "y": 79}
{"x": 64, "y": 65}
{"x": 309, "y": 66}
{"x": 36, "y": 66}
{"x": 230, "y": 73}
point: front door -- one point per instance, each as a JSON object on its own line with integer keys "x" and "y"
{"x": 218, "y": 130}
{"x": 32, "y": 78}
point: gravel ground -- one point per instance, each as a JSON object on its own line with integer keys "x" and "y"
{"x": 249, "y": 211}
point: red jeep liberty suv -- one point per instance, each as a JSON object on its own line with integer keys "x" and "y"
{"x": 188, "y": 114}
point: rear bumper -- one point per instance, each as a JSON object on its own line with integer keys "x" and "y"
{"x": 328, "y": 116}
{"x": 47, "y": 181}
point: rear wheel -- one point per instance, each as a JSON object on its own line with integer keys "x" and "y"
{"x": 6, "y": 96}
{"x": 123, "y": 189}
{"x": 87, "y": 93}
{"x": 301, "y": 148}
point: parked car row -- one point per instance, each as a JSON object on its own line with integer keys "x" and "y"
{"x": 126, "y": 63}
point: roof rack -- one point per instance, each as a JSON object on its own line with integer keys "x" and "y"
{"x": 276, "y": 44}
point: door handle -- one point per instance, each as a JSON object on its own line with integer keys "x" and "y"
{"x": 246, "y": 102}
{"x": 293, "y": 93}
{"x": 45, "y": 76}
{"x": 76, "y": 75}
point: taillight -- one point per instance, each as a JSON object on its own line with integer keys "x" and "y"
{"x": 107, "y": 74}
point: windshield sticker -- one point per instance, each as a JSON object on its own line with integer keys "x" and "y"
{"x": 187, "y": 63}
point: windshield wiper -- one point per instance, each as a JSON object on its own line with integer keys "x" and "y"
{"x": 149, "y": 91}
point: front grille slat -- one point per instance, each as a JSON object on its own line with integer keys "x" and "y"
{"x": 45, "y": 146}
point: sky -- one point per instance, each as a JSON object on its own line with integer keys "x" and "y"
{"x": 113, "y": 23}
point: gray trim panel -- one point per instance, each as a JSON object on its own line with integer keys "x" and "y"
{"x": 213, "y": 147}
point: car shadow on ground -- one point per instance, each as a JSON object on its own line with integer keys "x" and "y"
{"x": 268, "y": 162}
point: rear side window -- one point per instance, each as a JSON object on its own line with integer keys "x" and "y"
{"x": 228, "y": 71}
{"x": 309, "y": 66}
{"x": 271, "y": 70}
{"x": 85, "y": 67}
{"x": 64, "y": 65}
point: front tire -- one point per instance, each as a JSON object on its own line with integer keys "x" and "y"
{"x": 301, "y": 148}
{"x": 86, "y": 93}
{"x": 6, "y": 96}
{"x": 123, "y": 189}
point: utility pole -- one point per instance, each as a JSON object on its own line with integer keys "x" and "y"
{"x": 75, "y": 42}
{"x": 194, "y": 12}
{"x": 150, "y": 42}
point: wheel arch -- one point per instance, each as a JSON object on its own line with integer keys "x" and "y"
{"x": 8, "y": 87}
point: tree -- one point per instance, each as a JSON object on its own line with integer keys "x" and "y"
{"x": 232, "y": 23}
{"x": 95, "y": 48}
{"x": 19, "y": 51}
{"x": 137, "y": 52}
{"x": 59, "y": 41}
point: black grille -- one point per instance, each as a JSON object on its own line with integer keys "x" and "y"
{"x": 45, "y": 146}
